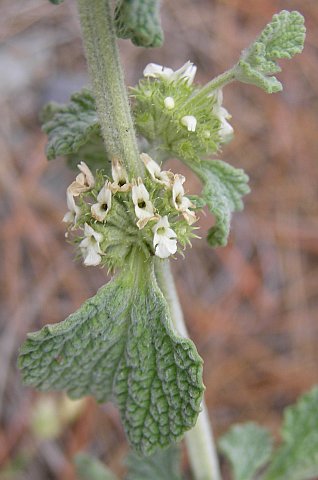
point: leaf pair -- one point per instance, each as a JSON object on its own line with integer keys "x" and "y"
{"x": 121, "y": 345}
{"x": 249, "y": 446}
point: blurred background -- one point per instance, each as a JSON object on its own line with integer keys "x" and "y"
{"x": 251, "y": 307}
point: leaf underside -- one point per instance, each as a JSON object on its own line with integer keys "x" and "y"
{"x": 248, "y": 447}
{"x": 120, "y": 345}
{"x": 223, "y": 188}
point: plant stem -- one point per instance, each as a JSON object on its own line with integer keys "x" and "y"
{"x": 199, "y": 440}
{"x": 112, "y": 105}
{"x": 218, "y": 82}
{"x": 99, "y": 39}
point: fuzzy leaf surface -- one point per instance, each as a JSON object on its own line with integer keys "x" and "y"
{"x": 297, "y": 458}
{"x": 70, "y": 127}
{"x": 283, "y": 37}
{"x": 223, "y": 188}
{"x": 120, "y": 345}
{"x": 139, "y": 20}
{"x": 162, "y": 465}
{"x": 90, "y": 468}
{"x": 248, "y": 447}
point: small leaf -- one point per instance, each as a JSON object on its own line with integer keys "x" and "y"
{"x": 56, "y": 2}
{"x": 120, "y": 345}
{"x": 283, "y": 37}
{"x": 139, "y": 20}
{"x": 223, "y": 189}
{"x": 89, "y": 468}
{"x": 162, "y": 465}
{"x": 70, "y": 127}
{"x": 297, "y": 458}
{"x": 248, "y": 447}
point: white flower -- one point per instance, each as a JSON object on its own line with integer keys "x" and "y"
{"x": 90, "y": 246}
{"x": 226, "y": 130}
{"x": 186, "y": 72}
{"x": 119, "y": 174}
{"x": 165, "y": 239}
{"x": 104, "y": 200}
{"x": 74, "y": 210}
{"x": 169, "y": 103}
{"x": 157, "y": 71}
{"x": 143, "y": 207}
{"x": 190, "y": 122}
{"x": 163, "y": 177}
{"x": 180, "y": 202}
{"x": 83, "y": 182}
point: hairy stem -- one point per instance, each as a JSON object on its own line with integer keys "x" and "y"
{"x": 199, "y": 440}
{"x": 101, "y": 49}
{"x": 218, "y": 82}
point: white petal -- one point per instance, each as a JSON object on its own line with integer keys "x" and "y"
{"x": 89, "y": 177}
{"x": 139, "y": 193}
{"x": 68, "y": 217}
{"x": 187, "y": 71}
{"x": 92, "y": 258}
{"x": 169, "y": 103}
{"x": 90, "y": 232}
{"x": 119, "y": 174}
{"x": 166, "y": 247}
{"x": 157, "y": 71}
{"x": 99, "y": 212}
{"x": 189, "y": 216}
{"x": 190, "y": 122}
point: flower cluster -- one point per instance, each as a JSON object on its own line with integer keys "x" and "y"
{"x": 110, "y": 218}
{"x": 178, "y": 116}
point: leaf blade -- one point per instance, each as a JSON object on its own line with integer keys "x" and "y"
{"x": 120, "y": 345}
{"x": 297, "y": 457}
{"x": 283, "y": 37}
{"x": 223, "y": 188}
{"x": 71, "y": 126}
{"x": 248, "y": 447}
{"x": 162, "y": 465}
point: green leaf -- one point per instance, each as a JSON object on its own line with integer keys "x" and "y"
{"x": 92, "y": 153}
{"x": 297, "y": 458}
{"x": 162, "y": 465}
{"x": 56, "y": 2}
{"x": 248, "y": 447}
{"x": 120, "y": 345}
{"x": 89, "y": 468}
{"x": 139, "y": 20}
{"x": 71, "y": 127}
{"x": 223, "y": 188}
{"x": 283, "y": 37}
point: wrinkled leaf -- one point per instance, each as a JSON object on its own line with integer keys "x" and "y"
{"x": 120, "y": 345}
{"x": 69, "y": 127}
{"x": 139, "y": 20}
{"x": 283, "y": 37}
{"x": 297, "y": 458}
{"x": 89, "y": 468}
{"x": 162, "y": 465}
{"x": 223, "y": 188}
{"x": 248, "y": 447}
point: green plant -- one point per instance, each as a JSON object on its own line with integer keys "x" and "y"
{"x": 128, "y": 343}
